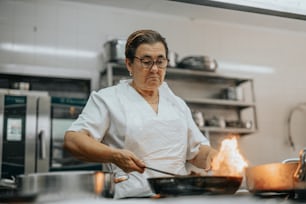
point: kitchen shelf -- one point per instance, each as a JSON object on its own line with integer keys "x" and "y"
{"x": 204, "y": 91}
{"x": 219, "y": 102}
{"x": 212, "y": 77}
{"x": 240, "y": 131}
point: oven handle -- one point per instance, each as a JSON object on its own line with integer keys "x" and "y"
{"x": 42, "y": 144}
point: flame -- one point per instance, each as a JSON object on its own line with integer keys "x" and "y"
{"x": 229, "y": 161}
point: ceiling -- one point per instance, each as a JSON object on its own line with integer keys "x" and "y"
{"x": 284, "y": 8}
{"x": 198, "y": 12}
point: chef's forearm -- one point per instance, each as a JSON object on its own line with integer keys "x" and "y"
{"x": 85, "y": 148}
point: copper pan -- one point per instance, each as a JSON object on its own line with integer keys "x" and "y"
{"x": 277, "y": 177}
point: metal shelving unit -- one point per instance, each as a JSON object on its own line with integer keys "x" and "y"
{"x": 201, "y": 91}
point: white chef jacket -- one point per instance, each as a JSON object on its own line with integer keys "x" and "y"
{"x": 120, "y": 117}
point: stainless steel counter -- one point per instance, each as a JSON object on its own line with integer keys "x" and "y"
{"x": 241, "y": 197}
{"x": 178, "y": 200}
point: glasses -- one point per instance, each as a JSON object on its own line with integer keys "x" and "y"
{"x": 148, "y": 63}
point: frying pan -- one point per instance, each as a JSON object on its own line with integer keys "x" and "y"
{"x": 277, "y": 177}
{"x": 194, "y": 185}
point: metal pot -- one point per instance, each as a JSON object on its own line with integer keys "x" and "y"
{"x": 173, "y": 58}
{"x": 114, "y": 50}
{"x": 194, "y": 185}
{"x": 67, "y": 184}
{"x": 232, "y": 93}
{"x": 277, "y": 177}
{"x": 203, "y": 63}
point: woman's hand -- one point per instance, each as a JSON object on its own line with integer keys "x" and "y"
{"x": 84, "y": 147}
{"x": 127, "y": 161}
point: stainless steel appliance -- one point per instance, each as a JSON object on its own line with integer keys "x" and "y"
{"x": 201, "y": 62}
{"x": 24, "y": 132}
{"x": 114, "y": 50}
{"x": 64, "y": 110}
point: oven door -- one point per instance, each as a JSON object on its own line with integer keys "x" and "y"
{"x": 63, "y": 112}
{"x": 25, "y": 133}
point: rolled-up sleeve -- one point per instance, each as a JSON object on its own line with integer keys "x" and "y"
{"x": 94, "y": 117}
{"x": 195, "y": 137}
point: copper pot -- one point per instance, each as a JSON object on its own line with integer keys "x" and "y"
{"x": 277, "y": 177}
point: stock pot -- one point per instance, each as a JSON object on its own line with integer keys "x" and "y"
{"x": 66, "y": 184}
{"x": 287, "y": 177}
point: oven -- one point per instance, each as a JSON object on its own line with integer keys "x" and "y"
{"x": 32, "y": 128}
{"x": 24, "y": 132}
{"x": 64, "y": 110}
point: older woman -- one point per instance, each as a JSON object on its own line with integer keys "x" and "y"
{"x": 139, "y": 122}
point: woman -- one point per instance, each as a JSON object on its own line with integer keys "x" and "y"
{"x": 139, "y": 122}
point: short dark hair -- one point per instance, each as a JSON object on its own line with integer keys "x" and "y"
{"x": 140, "y": 37}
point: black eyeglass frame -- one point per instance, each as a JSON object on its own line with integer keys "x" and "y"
{"x": 153, "y": 62}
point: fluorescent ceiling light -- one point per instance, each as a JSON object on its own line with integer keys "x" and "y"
{"x": 289, "y": 6}
{"x": 245, "y": 68}
{"x": 44, "y": 50}
{"x": 30, "y": 69}
{"x": 295, "y": 9}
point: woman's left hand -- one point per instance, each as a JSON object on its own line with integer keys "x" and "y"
{"x": 127, "y": 161}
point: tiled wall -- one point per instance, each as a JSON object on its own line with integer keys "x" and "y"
{"x": 274, "y": 57}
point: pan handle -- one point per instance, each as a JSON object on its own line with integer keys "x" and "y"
{"x": 291, "y": 160}
{"x": 161, "y": 171}
{"x": 9, "y": 184}
{"x": 300, "y": 173}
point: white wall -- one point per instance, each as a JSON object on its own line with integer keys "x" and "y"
{"x": 278, "y": 52}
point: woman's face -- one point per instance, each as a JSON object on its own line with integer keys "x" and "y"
{"x": 147, "y": 78}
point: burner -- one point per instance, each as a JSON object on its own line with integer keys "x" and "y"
{"x": 298, "y": 195}
{"x": 277, "y": 194}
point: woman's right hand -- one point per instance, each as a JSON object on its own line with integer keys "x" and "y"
{"x": 127, "y": 161}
